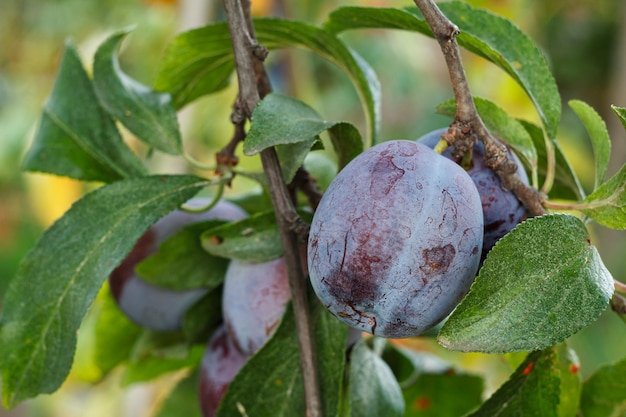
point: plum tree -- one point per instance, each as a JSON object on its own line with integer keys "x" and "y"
{"x": 396, "y": 239}
{"x": 220, "y": 363}
{"x": 395, "y": 242}
{"x": 149, "y": 305}
{"x": 502, "y": 210}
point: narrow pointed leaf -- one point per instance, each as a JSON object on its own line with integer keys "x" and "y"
{"x": 75, "y": 136}
{"x": 270, "y": 383}
{"x": 482, "y": 33}
{"x": 148, "y": 114}
{"x": 607, "y": 204}
{"x": 59, "y": 279}
{"x": 200, "y": 62}
{"x": 599, "y": 135}
{"x": 604, "y": 393}
{"x": 532, "y": 390}
{"x": 621, "y": 114}
{"x": 540, "y": 284}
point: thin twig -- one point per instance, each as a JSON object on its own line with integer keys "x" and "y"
{"x": 253, "y": 85}
{"x": 467, "y": 120}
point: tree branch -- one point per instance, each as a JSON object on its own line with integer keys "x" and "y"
{"x": 253, "y": 85}
{"x": 467, "y": 120}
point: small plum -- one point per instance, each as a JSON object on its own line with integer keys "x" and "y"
{"x": 395, "y": 241}
{"x": 149, "y": 305}
{"x": 254, "y": 300}
{"x": 220, "y": 363}
{"x": 502, "y": 210}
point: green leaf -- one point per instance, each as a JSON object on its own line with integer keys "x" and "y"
{"x": 149, "y": 115}
{"x": 621, "y": 114}
{"x": 293, "y": 127}
{"x": 503, "y": 126}
{"x": 600, "y": 141}
{"x": 253, "y": 239}
{"x": 604, "y": 393}
{"x": 270, "y": 383}
{"x": 196, "y": 63}
{"x": 183, "y": 400}
{"x": 292, "y": 157}
{"x": 347, "y": 142}
{"x": 532, "y": 390}
{"x": 321, "y": 168}
{"x": 200, "y": 62}
{"x": 571, "y": 381}
{"x": 181, "y": 263}
{"x": 431, "y": 386}
{"x": 60, "y": 277}
{"x": 482, "y": 33}
{"x": 607, "y": 204}
{"x": 75, "y": 137}
{"x": 566, "y": 185}
{"x": 115, "y": 335}
{"x": 202, "y": 318}
{"x": 374, "y": 390}
{"x": 157, "y": 353}
{"x": 282, "y": 120}
{"x": 540, "y": 284}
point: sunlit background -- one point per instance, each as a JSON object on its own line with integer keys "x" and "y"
{"x": 584, "y": 40}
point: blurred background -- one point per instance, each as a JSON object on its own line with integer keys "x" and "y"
{"x": 584, "y": 40}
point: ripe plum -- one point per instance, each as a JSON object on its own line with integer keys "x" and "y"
{"x": 149, "y": 305}
{"x": 395, "y": 242}
{"x": 502, "y": 210}
{"x": 220, "y": 364}
{"x": 254, "y": 300}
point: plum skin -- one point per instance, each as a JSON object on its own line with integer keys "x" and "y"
{"x": 146, "y": 304}
{"x": 502, "y": 210}
{"x": 220, "y": 363}
{"x": 254, "y": 300}
{"x": 395, "y": 242}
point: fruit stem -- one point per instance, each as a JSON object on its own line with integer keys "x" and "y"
{"x": 620, "y": 286}
{"x": 216, "y": 198}
{"x": 253, "y": 85}
{"x": 618, "y": 304}
{"x": 467, "y": 120}
{"x": 441, "y": 146}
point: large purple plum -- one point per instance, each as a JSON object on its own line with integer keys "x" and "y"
{"x": 220, "y": 364}
{"x": 395, "y": 242}
{"x": 149, "y": 305}
{"x": 502, "y": 210}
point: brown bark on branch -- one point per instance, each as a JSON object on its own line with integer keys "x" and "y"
{"x": 467, "y": 120}
{"x": 253, "y": 85}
